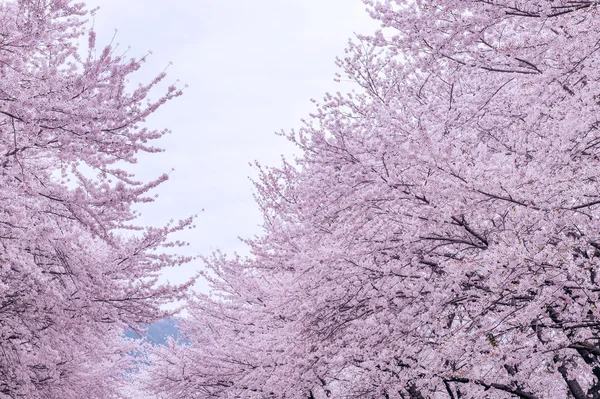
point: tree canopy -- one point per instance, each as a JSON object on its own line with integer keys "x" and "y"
{"x": 438, "y": 236}
{"x": 71, "y": 280}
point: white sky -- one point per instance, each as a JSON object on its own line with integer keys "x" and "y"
{"x": 251, "y": 67}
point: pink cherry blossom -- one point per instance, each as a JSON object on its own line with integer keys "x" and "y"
{"x": 75, "y": 270}
{"x": 438, "y": 236}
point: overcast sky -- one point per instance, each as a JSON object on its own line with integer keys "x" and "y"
{"x": 252, "y": 68}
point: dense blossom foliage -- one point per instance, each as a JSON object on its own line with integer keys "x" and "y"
{"x": 75, "y": 271}
{"x": 439, "y": 235}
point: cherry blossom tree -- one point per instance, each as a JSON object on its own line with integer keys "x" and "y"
{"x": 438, "y": 236}
{"x": 75, "y": 269}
